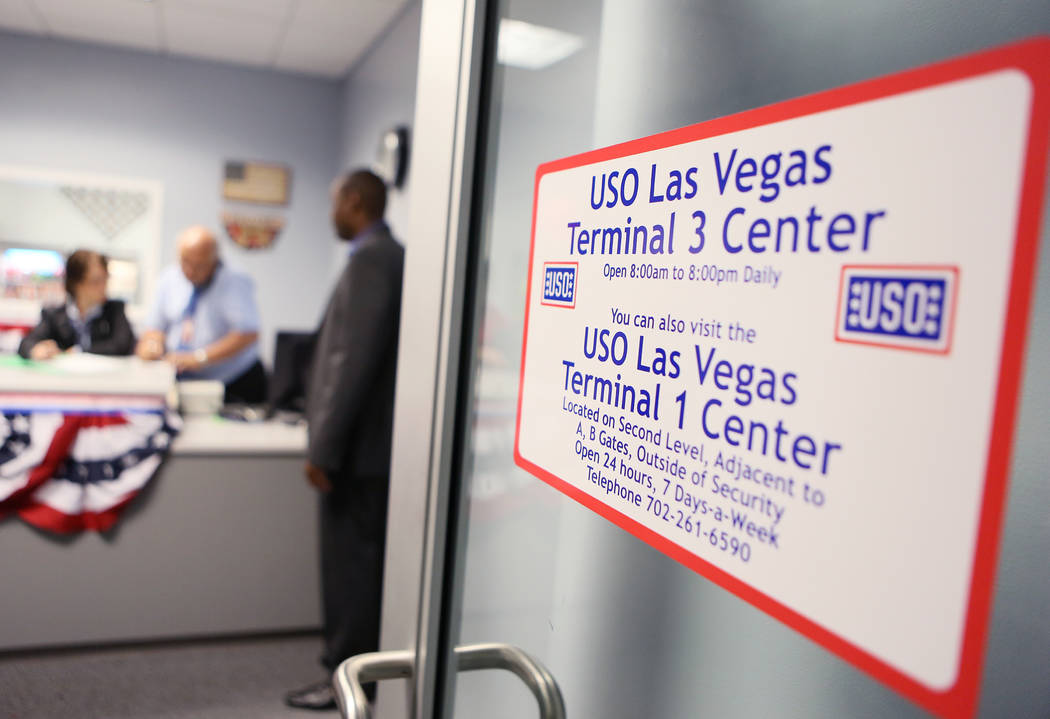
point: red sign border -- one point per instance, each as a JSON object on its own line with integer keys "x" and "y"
{"x": 1031, "y": 57}
{"x": 954, "y": 269}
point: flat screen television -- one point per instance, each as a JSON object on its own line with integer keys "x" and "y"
{"x": 32, "y": 274}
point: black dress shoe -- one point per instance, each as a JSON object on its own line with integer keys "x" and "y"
{"x": 319, "y": 697}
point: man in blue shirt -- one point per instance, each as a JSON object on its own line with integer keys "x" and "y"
{"x": 205, "y": 322}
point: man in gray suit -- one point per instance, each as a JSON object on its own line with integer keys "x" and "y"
{"x": 349, "y": 411}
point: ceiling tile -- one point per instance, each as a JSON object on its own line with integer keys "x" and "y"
{"x": 323, "y": 37}
{"x": 329, "y": 36}
{"x": 17, "y": 15}
{"x": 330, "y": 62}
{"x": 276, "y": 9}
{"x": 131, "y": 23}
{"x": 336, "y": 12}
{"x": 221, "y": 33}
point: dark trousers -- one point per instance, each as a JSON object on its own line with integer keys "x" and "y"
{"x": 353, "y": 535}
{"x": 249, "y": 388}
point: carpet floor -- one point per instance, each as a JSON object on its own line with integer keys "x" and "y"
{"x": 234, "y": 679}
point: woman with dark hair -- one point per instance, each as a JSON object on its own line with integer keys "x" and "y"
{"x": 87, "y": 319}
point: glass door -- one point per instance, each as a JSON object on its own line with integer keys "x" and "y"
{"x": 626, "y": 631}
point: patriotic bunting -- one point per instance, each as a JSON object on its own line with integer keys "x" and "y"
{"x": 70, "y": 472}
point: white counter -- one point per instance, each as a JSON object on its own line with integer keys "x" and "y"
{"x": 95, "y": 382}
{"x": 218, "y": 436}
{"x": 223, "y": 540}
{"x": 87, "y": 374}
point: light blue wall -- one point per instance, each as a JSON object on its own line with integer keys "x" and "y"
{"x": 378, "y": 94}
{"x": 89, "y": 108}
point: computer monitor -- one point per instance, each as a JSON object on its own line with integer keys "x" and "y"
{"x": 293, "y": 353}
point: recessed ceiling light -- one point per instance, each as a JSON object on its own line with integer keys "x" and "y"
{"x": 533, "y": 47}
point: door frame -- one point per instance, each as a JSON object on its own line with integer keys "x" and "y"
{"x": 436, "y": 278}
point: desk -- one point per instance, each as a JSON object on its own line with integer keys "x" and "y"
{"x": 224, "y": 540}
{"x": 214, "y": 436}
{"x": 86, "y": 374}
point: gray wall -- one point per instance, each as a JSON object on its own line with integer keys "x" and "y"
{"x": 88, "y": 108}
{"x": 215, "y": 544}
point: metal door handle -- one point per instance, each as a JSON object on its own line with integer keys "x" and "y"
{"x": 504, "y": 656}
{"x": 363, "y": 668}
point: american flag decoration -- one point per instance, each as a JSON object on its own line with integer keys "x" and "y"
{"x": 68, "y": 472}
{"x": 252, "y": 232}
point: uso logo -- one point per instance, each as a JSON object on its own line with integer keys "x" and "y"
{"x": 559, "y": 284}
{"x": 899, "y": 306}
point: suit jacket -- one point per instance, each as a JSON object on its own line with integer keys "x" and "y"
{"x": 350, "y": 401}
{"x": 110, "y": 332}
